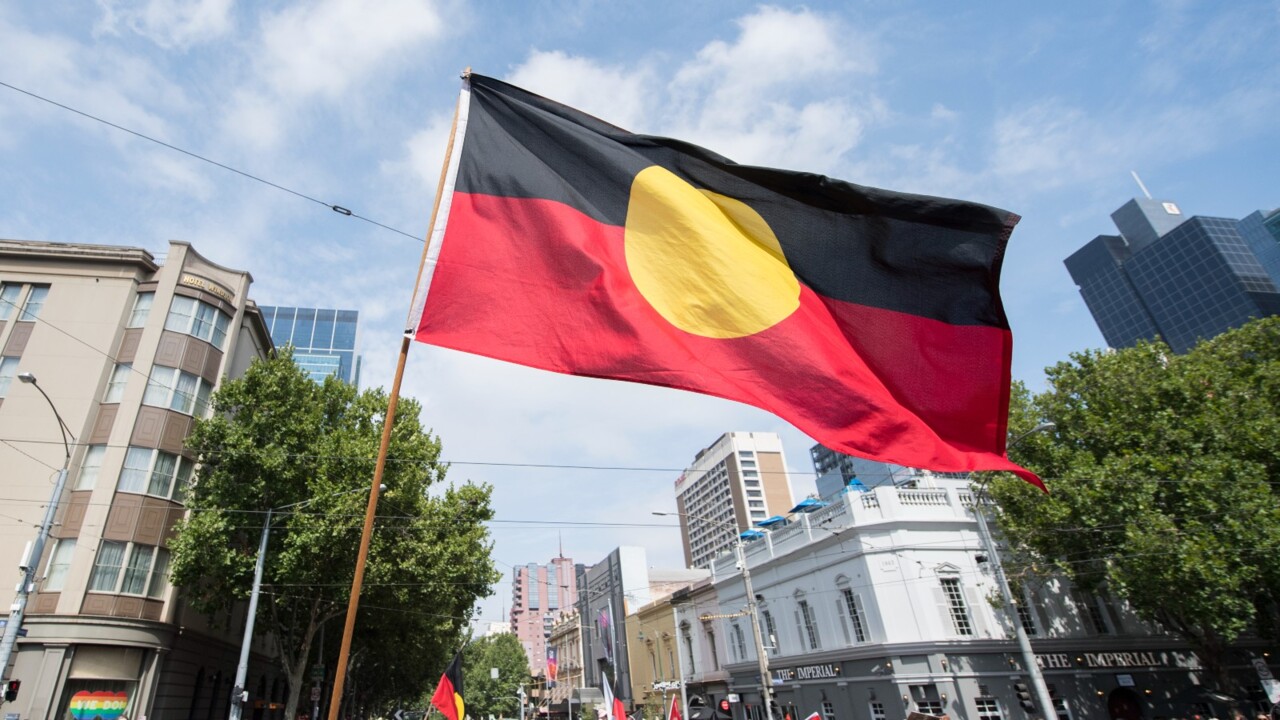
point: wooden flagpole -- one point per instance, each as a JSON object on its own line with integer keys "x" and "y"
{"x": 357, "y": 582}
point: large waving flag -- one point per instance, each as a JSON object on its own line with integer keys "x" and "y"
{"x": 869, "y": 319}
{"x": 674, "y": 713}
{"x": 553, "y": 664}
{"x": 448, "y": 695}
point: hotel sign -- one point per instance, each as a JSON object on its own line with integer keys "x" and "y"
{"x": 807, "y": 672}
{"x": 207, "y": 285}
{"x": 1140, "y": 659}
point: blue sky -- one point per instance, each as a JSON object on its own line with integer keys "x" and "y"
{"x": 1043, "y": 109}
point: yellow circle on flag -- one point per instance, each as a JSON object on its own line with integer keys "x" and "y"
{"x": 707, "y": 263}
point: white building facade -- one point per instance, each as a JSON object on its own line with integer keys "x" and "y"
{"x": 881, "y": 604}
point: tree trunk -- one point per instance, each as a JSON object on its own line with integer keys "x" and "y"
{"x": 295, "y": 670}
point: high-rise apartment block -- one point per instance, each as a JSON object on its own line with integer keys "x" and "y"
{"x": 1176, "y": 278}
{"x": 128, "y": 349}
{"x": 538, "y": 594}
{"x": 323, "y": 340}
{"x": 741, "y": 479}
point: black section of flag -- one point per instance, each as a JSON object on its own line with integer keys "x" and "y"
{"x": 927, "y": 256}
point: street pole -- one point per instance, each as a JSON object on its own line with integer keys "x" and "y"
{"x": 238, "y": 694}
{"x": 1011, "y": 611}
{"x": 766, "y": 684}
{"x": 31, "y": 563}
{"x": 684, "y": 693}
{"x": 1024, "y": 642}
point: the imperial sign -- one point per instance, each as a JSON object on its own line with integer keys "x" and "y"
{"x": 807, "y": 672}
{"x": 1053, "y": 661}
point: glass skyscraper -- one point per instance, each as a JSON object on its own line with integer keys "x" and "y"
{"x": 324, "y": 340}
{"x": 1178, "y": 279}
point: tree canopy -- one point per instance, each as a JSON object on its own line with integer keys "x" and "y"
{"x": 278, "y": 440}
{"x": 486, "y": 695}
{"x": 1162, "y": 472}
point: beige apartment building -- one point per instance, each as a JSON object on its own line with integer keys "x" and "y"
{"x": 128, "y": 348}
{"x": 735, "y": 483}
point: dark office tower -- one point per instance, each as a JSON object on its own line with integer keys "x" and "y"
{"x": 1175, "y": 278}
{"x": 324, "y": 341}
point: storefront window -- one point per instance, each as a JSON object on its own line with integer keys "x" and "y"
{"x": 96, "y": 699}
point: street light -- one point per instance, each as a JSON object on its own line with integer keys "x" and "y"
{"x": 239, "y": 694}
{"x": 997, "y": 568}
{"x": 766, "y": 684}
{"x": 31, "y": 562}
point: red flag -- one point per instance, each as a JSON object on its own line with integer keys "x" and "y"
{"x": 448, "y": 695}
{"x": 869, "y": 319}
{"x": 675, "y": 709}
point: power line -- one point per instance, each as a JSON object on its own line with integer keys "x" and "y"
{"x": 336, "y": 208}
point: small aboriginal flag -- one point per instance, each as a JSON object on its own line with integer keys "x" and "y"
{"x": 869, "y": 319}
{"x": 448, "y": 696}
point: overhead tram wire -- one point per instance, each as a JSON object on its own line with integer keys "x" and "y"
{"x": 336, "y": 208}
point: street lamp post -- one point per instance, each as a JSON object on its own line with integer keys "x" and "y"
{"x": 238, "y": 693}
{"x": 766, "y": 684}
{"x": 997, "y": 568}
{"x": 30, "y": 563}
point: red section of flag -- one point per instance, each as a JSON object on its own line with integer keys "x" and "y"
{"x": 675, "y": 709}
{"x": 448, "y": 695}
{"x": 887, "y": 385}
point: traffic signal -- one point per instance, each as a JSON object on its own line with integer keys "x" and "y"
{"x": 11, "y": 690}
{"x": 1024, "y": 697}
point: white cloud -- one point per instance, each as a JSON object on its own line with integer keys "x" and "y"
{"x": 762, "y": 98}
{"x": 325, "y": 48}
{"x": 168, "y": 23}
{"x": 617, "y": 95}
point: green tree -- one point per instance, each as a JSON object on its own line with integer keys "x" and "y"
{"x": 277, "y": 439}
{"x": 486, "y": 695}
{"x": 1162, "y": 472}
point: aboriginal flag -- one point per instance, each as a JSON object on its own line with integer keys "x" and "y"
{"x": 448, "y": 697}
{"x": 869, "y": 319}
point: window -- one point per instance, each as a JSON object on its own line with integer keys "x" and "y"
{"x": 1025, "y": 617}
{"x": 141, "y": 309}
{"x": 988, "y": 708}
{"x": 106, "y": 567}
{"x": 929, "y": 707}
{"x": 877, "y": 711}
{"x": 1091, "y": 614}
{"x": 770, "y": 632}
{"x": 8, "y": 370}
{"x": 177, "y": 390}
{"x": 197, "y": 319}
{"x": 154, "y": 472}
{"x": 856, "y": 632}
{"x": 687, "y": 634}
{"x": 89, "y": 467}
{"x": 755, "y": 503}
{"x": 755, "y": 493}
{"x": 144, "y": 574}
{"x": 1060, "y": 708}
{"x": 711, "y": 644}
{"x": 956, "y": 605}
{"x": 806, "y": 625}
{"x": 1022, "y": 602}
{"x": 739, "y": 642}
{"x": 828, "y": 710}
{"x": 35, "y": 301}
{"x": 9, "y": 295}
{"x": 59, "y": 563}
{"x": 115, "y": 386}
